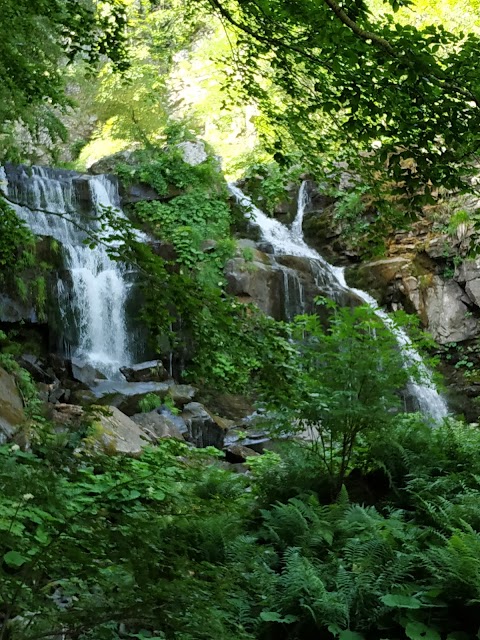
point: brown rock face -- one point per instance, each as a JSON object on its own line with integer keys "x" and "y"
{"x": 11, "y": 407}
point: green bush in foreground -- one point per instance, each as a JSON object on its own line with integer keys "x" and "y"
{"x": 171, "y": 546}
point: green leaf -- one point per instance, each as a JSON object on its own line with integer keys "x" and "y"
{"x": 401, "y": 602}
{"x": 273, "y": 616}
{"x": 350, "y": 635}
{"x": 14, "y": 559}
{"x": 420, "y": 631}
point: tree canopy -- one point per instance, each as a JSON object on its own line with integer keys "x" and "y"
{"x": 39, "y": 38}
{"x": 342, "y": 82}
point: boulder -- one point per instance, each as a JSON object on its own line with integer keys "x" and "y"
{"x": 69, "y": 416}
{"x": 443, "y": 308}
{"x": 115, "y": 433}
{"x": 140, "y": 192}
{"x": 469, "y": 275}
{"x": 39, "y": 371}
{"x": 258, "y": 281}
{"x": 193, "y": 153}
{"x": 231, "y": 406}
{"x": 108, "y": 164}
{"x": 128, "y": 396}
{"x": 151, "y": 371}
{"x": 377, "y": 276}
{"x": 239, "y": 453}
{"x": 85, "y": 372}
{"x": 161, "y": 423}
{"x": 12, "y": 414}
{"x": 182, "y": 394}
{"x": 13, "y": 310}
{"x": 439, "y": 247}
{"x": 202, "y": 429}
{"x": 83, "y": 397}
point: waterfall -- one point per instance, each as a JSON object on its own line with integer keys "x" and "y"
{"x": 93, "y": 290}
{"x": 287, "y": 241}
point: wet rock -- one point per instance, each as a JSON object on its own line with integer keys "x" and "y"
{"x": 12, "y": 414}
{"x": 377, "y": 276}
{"x": 239, "y": 453}
{"x": 139, "y": 192}
{"x": 202, "y": 429}
{"x": 12, "y": 310}
{"x": 182, "y": 394}
{"x": 61, "y": 367}
{"x": 128, "y": 396}
{"x": 161, "y": 424}
{"x": 38, "y": 369}
{"x": 151, "y": 371}
{"x": 85, "y": 372}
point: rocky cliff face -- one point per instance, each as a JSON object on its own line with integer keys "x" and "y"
{"x": 428, "y": 271}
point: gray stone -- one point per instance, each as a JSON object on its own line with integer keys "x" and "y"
{"x": 202, "y": 428}
{"x": 145, "y": 193}
{"x": 85, "y": 372}
{"x": 193, "y": 153}
{"x": 256, "y": 281}
{"x": 12, "y": 414}
{"x": 443, "y": 308}
{"x": 182, "y": 394}
{"x": 162, "y": 424}
{"x": 109, "y": 163}
{"x": 127, "y": 396}
{"x": 239, "y": 453}
{"x": 37, "y": 369}
{"x": 151, "y": 371}
{"x": 469, "y": 274}
{"x": 119, "y": 434}
{"x": 12, "y": 310}
{"x": 439, "y": 247}
{"x": 83, "y": 397}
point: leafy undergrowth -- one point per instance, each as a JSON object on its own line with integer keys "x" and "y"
{"x": 171, "y": 546}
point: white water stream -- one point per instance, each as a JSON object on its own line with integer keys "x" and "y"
{"x": 93, "y": 291}
{"x": 290, "y": 241}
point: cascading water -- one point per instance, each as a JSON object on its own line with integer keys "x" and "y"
{"x": 93, "y": 292}
{"x": 287, "y": 241}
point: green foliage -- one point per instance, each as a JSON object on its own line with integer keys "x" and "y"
{"x": 150, "y": 402}
{"x": 348, "y": 381}
{"x": 24, "y": 383}
{"x": 367, "y": 216}
{"x": 325, "y": 74}
{"x": 15, "y": 238}
{"x": 48, "y": 34}
{"x": 111, "y": 547}
{"x": 229, "y": 345}
{"x": 268, "y": 182}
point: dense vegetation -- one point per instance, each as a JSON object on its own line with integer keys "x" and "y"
{"x": 367, "y": 525}
{"x": 170, "y": 546}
